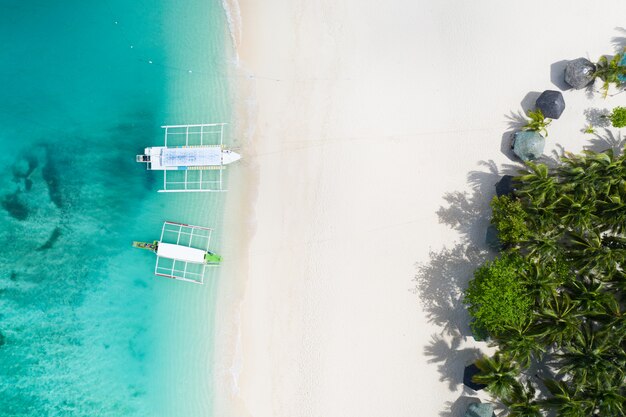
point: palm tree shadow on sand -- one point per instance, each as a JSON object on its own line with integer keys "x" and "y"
{"x": 440, "y": 282}
{"x": 607, "y": 140}
{"x": 619, "y": 42}
{"x": 451, "y": 359}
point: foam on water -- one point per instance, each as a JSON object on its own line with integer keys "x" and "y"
{"x": 85, "y": 328}
{"x": 233, "y": 17}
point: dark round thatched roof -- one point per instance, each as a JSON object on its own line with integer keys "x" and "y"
{"x": 468, "y": 373}
{"x": 551, "y": 104}
{"x": 505, "y": 186}
{"x": 579, "y": 73}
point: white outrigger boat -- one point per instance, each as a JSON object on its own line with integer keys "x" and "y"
{"x": 182, "y": 252}
{"x": 192, "y": 158}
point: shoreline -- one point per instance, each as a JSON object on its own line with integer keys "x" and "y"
{"x": 356, "y": 149}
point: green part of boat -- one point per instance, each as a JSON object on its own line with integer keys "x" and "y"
{"x": 212, "y": 258}
{"x": 145, "y": 245}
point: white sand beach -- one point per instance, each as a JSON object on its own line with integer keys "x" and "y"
{"x": 377, "y": 134}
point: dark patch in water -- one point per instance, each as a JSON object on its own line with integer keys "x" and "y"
{"x": 22, "y": 170}
{"x": 136, "y": 393}
{"x": 136, "y": 351}
{"x": 140, "y": 283}
{"x": 51, "y": 176}
{"x": 13, "y": 276}
{"x": 51, "y": 240}
{"x": 12, "y": 204}
{"x": 33, "y": 163}
{"x": 19, "y": 173}
{"x": 135, "y": 347}
{"x": 3, "y": 339}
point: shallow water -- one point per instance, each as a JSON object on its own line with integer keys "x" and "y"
{"x": 86, "y": 328}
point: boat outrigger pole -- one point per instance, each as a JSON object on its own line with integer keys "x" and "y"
{"x": 145, "y": 245}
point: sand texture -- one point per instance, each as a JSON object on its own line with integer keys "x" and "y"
{"x": 377, "y": 131}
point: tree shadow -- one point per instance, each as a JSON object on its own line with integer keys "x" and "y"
{"x": 537, "y": 372}
{"x": 597, "y": 117}
{"x": 557, "y": 75}
{"x": 591, "y": 90}
{"x": 440, "y": 281}
{"x": 451, "y": 360}
{"x": 607, "y": 140}
{"x": 515, "y": 122}
{"x": 440, "y": 284}
{"x": 619, "y": 42}
{"x": 468, "y": 213}
{"x": 457, "y": 408}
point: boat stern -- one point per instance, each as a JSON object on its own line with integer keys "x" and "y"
{"x": 212, "y": 258}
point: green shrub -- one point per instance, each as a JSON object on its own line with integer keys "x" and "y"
{"x": 610, "y": 71}
{"x": 509, "y": 217}
{"x": 497, "y": 298}
{"x": 558, "y": 297}
{"x": 618, "y": 117}
{"x": 537, "y": 122}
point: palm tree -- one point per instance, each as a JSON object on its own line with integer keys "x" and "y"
{"x": 544, "y": 278}
{"x": 537, "y": 122}
{"x": 520, "y": 343}
{"x": 608, "y": 397}
{"x": 595, "y": 301}
{"x": 566, "y": 400}
{"x": 499, "y": 374}
{"x": 538, "y": 187}
{"x": 593, "y": 254}
{"x": 599, "y": 178}
{"x": 558, "y": 320}
{"x": 617, "y": 284}
{"x": 523, "y": 402}
{"x": 544, "y": 243}
{"x": 609, "y": 71}
{"x": 577, "y": 210}
{"x": 591, "y": 358}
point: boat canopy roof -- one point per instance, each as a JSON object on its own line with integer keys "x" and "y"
{"x": 180, "y": 253}
{"x": 162, "y": 157}
{"x": 210, "y": 155}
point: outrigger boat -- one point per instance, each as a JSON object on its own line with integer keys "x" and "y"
{"x": 192, "y": 158}
{"x": 182, "y": 252}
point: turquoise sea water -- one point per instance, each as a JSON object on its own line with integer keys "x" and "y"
{"x": 86, "y": 329}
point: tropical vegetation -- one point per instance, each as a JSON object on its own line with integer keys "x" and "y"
{"x": 537, "y": 122}
{"x": 554, "y": 298}
{"x": 610, "y": 71}
{"x": 497, "y": 299}
{"x": 618, "y": 117}
{"x": 510, "y": 219}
